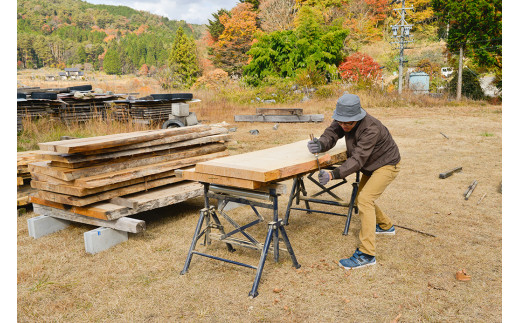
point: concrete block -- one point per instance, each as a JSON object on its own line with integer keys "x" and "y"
{"x": 43, "y": 225}
{"x": 180, "y": 109}
{"x": 103, "y": 238}
{"x": 191, "y": 119}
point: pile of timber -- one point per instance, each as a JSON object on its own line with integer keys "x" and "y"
{"x": 24, "y": 189}
{"x": 103, "y": 176}
{"x": 258, "y": 169}
{"x": 279, "y": 115}
{"x": 143, "y": 111}
{"x": 83, "y": 107}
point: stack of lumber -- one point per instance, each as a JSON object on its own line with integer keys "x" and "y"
{"x": 141, "y": 111}
{"x": 33, "y": 108}
{"x": 84, "y": 107}
{"x": 88, "y": 174}
{"x": 259, "y": 168}
{"x": 279, "y": 115}
{"x": 24, "y": 189}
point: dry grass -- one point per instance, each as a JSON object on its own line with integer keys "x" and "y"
{"x": 414, "y": 279}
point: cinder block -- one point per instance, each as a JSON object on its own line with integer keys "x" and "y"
{"x": 103, "y": 238}
{"x": 191, "y": 119}
{"x": 43, "y": 225}
{"x": 180, "y": 109}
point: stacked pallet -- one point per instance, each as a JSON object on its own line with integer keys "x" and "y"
{"x": 83, "y": 106}
{"x": 257, "y": 169}
{"x": 84, "y": 175}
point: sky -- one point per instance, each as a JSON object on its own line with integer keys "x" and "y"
{"x": 191, "y": 11}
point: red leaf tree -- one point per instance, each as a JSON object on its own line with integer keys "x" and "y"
{"x": 359, "y": 67}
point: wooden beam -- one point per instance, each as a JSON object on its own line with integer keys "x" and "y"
{"x": 190, "y": 174}
{"x": 69, "y": 174}
{"x": 124, "y": 202}
{"x": 122, "y": 224}
{"x": 101, "y": 142}
{"x": 450, "y": 172}
{"x": 277, "y": 118}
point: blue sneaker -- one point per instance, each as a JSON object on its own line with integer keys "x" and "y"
{"x": 390, "y": 231}
{"x": 357, "y": 260}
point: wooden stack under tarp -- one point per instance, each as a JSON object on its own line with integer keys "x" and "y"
{"x": 259, "y": 168}
{"x": 112, "y": 176}
{"x": 23, "y": 177}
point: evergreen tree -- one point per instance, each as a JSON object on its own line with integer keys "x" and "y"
{"x": 112, "y": 62}
{"x": 184, "y": 68}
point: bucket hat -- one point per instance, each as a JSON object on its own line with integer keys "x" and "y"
{"x": 348, "y": 108}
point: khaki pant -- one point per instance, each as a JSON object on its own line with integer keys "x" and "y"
{"x": 370, "y": 189}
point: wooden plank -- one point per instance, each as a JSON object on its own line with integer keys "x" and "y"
{"x": 272, "y": 164}
{"x": 138, "y": 172}
{"x": 124, "y": 202}
{"x": 19, "y": 181}
{"x": 91, "y": 199}
{"x": 77, "y": 159}
{"x": 69, "y": 174}
{"x": 68, "y": 188}
{"x": 101, "y": 142}
{"x": 190, "y": 174}
{"x": 149, "y": 200}
{"x": 280, "y": 111}
{"x": 122, "y": 224}
{"x": 276, "y": 118}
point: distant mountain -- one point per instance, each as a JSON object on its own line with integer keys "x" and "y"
{"x": 60, "y": 33}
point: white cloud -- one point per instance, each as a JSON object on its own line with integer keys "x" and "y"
{"x": 196, "y": 12}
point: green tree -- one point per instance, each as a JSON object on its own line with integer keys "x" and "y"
{"x": 475, "y": 26}
{"x": 470, "y": 85}
{"x": 215, "y": 27}
{"x": 112, "y": 62}
{"x": 81, "y": 54}
{"x": 312, "y": 48}
{"x": 183, "y": 63}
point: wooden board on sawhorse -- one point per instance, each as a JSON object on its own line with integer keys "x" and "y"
{"x": 210, "y": 219}
{"x": 298, "y": 189}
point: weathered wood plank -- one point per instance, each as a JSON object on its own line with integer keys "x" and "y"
{"x": 138, "y": 172}
{"x": 450, "y": 172}
{"x": 69, "y": 174}
{"x": 79, "y": 160}
{"x": 101, "y": 142}
{"x": 124, "y": 202}
{"x": 272, "y": 164}
{"x": 122, "y": 224}
{"x": 277, "y": 118}
{"x": 280, "y": 111}
{"x": 91, "y": 199}
{"x": 190, "y": 174}
{"x": 149, "y": 200}
{"x": 48, "y": 183}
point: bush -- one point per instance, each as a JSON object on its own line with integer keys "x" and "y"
{"x": 360, "y": 68}
{"x": 470, "y": 85}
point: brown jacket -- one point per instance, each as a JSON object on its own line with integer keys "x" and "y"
{"x": 369, "y": 146}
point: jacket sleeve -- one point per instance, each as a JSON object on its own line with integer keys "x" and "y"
{"x": 365, "y": 145}
{"x": 330, "y": 136}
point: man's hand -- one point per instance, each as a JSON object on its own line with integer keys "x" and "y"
{"x": 314, "y": 146}
{"x": 324, "y": 177}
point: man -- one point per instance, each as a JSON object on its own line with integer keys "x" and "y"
{"x": 371, "y": 150}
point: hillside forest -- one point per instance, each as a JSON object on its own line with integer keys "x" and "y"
{"x": 264, "y": 42}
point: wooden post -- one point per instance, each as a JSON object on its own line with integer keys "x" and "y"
{"x": 459, "y": 80}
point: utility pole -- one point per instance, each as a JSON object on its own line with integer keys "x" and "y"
{"x": 459, "y": 79}
{"x": 403, "y": 38}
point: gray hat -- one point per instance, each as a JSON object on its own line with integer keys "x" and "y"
{"x": 348, "y": 108}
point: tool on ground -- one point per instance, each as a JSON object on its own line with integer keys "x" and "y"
{"x": 316, "y": 154}
{"x": 450, "y": 172}
{"x": 470, "y": 189}
{"x": 421, "y": 232}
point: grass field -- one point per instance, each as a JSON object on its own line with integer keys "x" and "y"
{"x": 413, "y": 281}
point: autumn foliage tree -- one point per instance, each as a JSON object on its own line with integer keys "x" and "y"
{"x": 359, "y": 67}
{"x": 277, "y": 14}
{"x": 229, "y": 52}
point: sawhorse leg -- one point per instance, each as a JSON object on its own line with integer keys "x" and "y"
{"x": 351, "y": 206}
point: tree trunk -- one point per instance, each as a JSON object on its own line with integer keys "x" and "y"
{"x": 459, "y": 80}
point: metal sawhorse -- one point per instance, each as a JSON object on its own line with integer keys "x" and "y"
{"x": 210, "y": 216}
{"x": 298, "y": 189}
